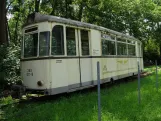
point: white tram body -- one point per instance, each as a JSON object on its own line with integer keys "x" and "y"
{"x": 60, "y": 55}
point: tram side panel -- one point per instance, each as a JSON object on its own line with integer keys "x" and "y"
{"x": 132, "y": 66}
{"x": 86, "y": 71}
{"x": 73, "y": 73}
{"x": 109, "y": 69}
{"x": 59, "y": 76}
{"x": 35, "y": 74}
{"x": 122, "y": 67}
{"x": 96, "y": 53}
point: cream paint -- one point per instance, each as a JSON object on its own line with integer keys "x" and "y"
{"x": 57, "y": 73}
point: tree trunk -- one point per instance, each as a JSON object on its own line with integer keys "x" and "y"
{"x": 66, "y": 7}
{"x": 37, "y": 3}
{"x": 16, "y": 28}
{"x": 3, "y": 26}
{"x": 80, "y": 11}
{"x": 53, "y": 7}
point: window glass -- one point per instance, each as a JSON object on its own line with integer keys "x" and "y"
{"x": 131, "y": 41}
{"x": 108, "y": 47}
{"x": 121, "y": 39}
{"x": 44, "y": 42}
{"x": 31, "y": 29}
{"x": 109, "y": 37}
{"x": 57, "y": 40}
{"x": 30, "y": 45}
{"x": 71, "y": 43}
{"x": 131, "y": 50}
{"x": 84, "y": 42}
{"x": 121, "y": 49}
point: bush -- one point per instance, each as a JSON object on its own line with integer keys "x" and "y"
{"x": 9, "y": 64}
{"x": 151, "y": 52}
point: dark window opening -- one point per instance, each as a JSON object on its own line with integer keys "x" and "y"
{"x": 85, "y": 42}
{"x": 30, "y": 45}
{"x": 121, "y": 39}
{"x": 108, "y": 47}
{"x": 121, "y": 49}
{"x": 71, "y": 42}
{"x": 31, "y": 29}
{"x": 57, "y": 40}
{"x": 131, "y": 50}
{"x": 44, "y": 42}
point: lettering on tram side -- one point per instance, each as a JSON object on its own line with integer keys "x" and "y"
{"x": 29, "y": 72}
{"x": 58, "y": 61}
{"x": 95, "y": 52}
{"x": 122, "y": 61}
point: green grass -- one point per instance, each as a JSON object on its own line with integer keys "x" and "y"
{"x": 118, "y": 103}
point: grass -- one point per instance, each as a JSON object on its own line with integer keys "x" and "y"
{"x": 118, "y": 103}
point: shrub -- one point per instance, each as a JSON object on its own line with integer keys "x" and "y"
{"x": 9, "y": 64}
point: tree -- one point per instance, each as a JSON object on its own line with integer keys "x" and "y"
{"x": 37, "y": 4}
{"x": 3, "y": 20}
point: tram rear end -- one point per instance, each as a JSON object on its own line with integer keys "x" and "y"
{"x": 35, "y": 66}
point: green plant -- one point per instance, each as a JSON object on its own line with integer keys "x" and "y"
{"x": 9, "y": 64}
{"x": 118, "y": 103}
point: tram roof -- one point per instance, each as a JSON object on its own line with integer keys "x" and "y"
{"x": 37, "y": 17}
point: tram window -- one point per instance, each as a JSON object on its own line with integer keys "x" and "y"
{"x": 30, "y": 45}
{"x": 108, "y": 47}
{"x": 71, "y": 43}
{"x": 121, "y": 39}
{"x": 84, "y": 42}
{"x": 131, "y": 41}
{"x": 121, "y": 49}
{"x": 131, "y": 50}
{"x": 109, "y": 37}
{"x": 44, "y": 42}
{"x": 57, "y": 40}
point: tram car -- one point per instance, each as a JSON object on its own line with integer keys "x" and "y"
{"x": 60, "y": 55}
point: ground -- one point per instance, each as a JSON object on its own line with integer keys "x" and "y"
{"x": 119, "y": 102}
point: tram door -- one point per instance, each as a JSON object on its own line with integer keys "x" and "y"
{"x": 85, "y": 62}
{"x": 73, "y": 61}
{"x": 79, "y": 63}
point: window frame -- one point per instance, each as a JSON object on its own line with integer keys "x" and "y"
{"x": 80, "y": 41}
{"x": 134, "y": 44}
{"x": 109, "y": 41}
{"x": 49, "y": 52}
{"x": 128, "y": 49}
{"x": 29, "y": 33}
{"x": 76, "y": 40}
{"x": 64, "y": 38}
{"x": 122, "y": 42}
{"x": 113, "y": 40}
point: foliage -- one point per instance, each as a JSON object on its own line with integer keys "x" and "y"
{"x": 118, "y": 103}
{"x": 7, "y": 101}
{"x": 139, "y": 18}
{"x": 151, "y": 50}
{"x": 9, "y": 64}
